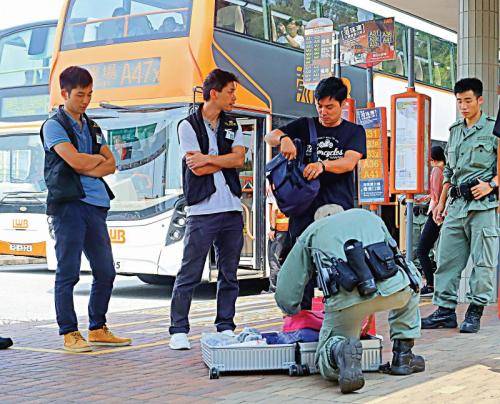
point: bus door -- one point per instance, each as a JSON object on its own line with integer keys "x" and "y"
{"x": 252, "y": 179}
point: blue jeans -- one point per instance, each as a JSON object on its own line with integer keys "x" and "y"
{"x": 225, "y": 232}
{"x": 80, "y": 227}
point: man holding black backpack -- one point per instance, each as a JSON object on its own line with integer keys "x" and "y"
{"x": 340, "y": 146}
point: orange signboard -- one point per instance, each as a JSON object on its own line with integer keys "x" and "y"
{"x": 410, "y": 143}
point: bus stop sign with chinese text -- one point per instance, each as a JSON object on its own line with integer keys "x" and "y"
{"x": 367, "y": 43}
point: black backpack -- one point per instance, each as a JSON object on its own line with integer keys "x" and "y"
{"x": 294, "y": 194}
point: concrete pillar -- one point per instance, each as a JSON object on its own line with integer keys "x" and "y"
{"x": 478, "y": 47}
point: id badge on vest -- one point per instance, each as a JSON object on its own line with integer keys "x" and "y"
{"x": 98, "y": 138}
{"x": 230, "y": 134}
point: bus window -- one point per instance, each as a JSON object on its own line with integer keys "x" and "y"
{"x": 423, "y": 66}
{"x": 148, "y": 162}
{"x": 94, "y": 22}
{"x": 21, "y": 164}
{"x": 25, "y": 57}
{"x": 340, "y": 13}
{"x": 288, "y": 19}
{"x": 245, "y": 19}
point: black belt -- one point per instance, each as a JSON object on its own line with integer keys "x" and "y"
{"x": 420, "y": 210}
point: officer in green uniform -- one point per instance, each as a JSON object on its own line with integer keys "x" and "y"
{"x": 338, "y": 355}
{"x": 468, "y": 207}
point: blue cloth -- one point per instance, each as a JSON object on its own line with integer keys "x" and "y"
{"x": 303, "y": 335}
{"x": 225, "y": 232}
{"x": 54, "y": 133}
{"x": 80, "y": 227}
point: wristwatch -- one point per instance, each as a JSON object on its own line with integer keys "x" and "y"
{"x": 493, "y": 184}
{"x": 272, "y": 228}
{"x": 284, "y": 135}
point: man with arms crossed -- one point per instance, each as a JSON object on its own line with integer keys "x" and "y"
{"x": 212, "y": 146}
{"x": 76, "y": 159}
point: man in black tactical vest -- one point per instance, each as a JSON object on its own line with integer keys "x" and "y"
{"x": 212, "y": 148}
{"x": 76, "y": 159}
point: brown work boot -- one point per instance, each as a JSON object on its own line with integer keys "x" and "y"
{"x": 74, "y": 342}
{"x": 104, "y": 337}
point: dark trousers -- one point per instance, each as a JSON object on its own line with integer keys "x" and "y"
{"x": 80, "y": 227}
{"x": 275, "y": 250}
{"x": 225, "y": 232}
{"x": 297, "y": 225}
{"x": 428, "y": 237}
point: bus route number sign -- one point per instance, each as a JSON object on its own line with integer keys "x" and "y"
{"x": 373, "y": 171}
{"x": 125, "y": 73}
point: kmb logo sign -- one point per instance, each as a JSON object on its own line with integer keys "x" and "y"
{"x": 20, "y": 224}
{"x": 117, "y": 236}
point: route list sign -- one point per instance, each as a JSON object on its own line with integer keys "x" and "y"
{"x": 373, "y": 171}
{"x": 320, "y": 41}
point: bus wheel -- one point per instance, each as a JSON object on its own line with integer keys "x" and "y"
{"x": 157, "y": 279}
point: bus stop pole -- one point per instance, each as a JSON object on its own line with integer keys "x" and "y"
{"x": 337, "y": 68}
{"x": 370, "y": 101}
{"x": 409, "y": 197}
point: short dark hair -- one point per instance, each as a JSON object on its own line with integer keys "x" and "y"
{"x": 292, "y": 21}
{"x": 216, "y": 80}
{"x": 331, "y": 87}
{"x": 437, "y": 154}
{"x": 73, "y": 77}
{"x": 474, "y": 84}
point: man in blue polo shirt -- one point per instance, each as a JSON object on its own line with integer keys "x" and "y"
{"x": 76, "y": 159}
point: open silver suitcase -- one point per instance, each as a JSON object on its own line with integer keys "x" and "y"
{"x": 297, "y": 359}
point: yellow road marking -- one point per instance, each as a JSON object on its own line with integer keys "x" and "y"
{"x": 126, "y": 348}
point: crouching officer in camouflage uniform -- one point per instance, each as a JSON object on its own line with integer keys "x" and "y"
{"x": 468, "y": 207}
{"x": 361, "y": 273}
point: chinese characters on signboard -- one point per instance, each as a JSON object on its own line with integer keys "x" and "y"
{"x": 367, "y": 43}
{"x": 127, "y": 73}
{"x": 320, "y": 40}
{"x": 372, "y": 172}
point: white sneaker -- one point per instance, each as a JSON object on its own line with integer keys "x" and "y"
{"x": 229, "y": 333}
{"x": 179, "y": 341}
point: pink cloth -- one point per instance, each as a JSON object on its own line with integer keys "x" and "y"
{"x": 436, "y": 184}
{"x": 303, "y": 319}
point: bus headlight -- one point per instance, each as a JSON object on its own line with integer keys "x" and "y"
{"x": 177, "y": 226}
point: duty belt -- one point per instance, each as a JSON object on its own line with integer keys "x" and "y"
{"x": 420, "y": 210}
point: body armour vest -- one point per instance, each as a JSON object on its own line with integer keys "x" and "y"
{"x": 63, "y": 182}
{"x": 197, "y": 188}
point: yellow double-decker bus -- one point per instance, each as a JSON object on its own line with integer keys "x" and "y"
{"x": 25, "y": 57}
{"x": 147, "y": 58}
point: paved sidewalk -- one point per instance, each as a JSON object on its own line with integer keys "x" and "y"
{"x": 461, "y": 368}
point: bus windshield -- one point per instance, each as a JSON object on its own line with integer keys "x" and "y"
{"x": 21, "y": 165}
{"x": 148, "y": 163}
{"x": 97, "y": 22}
{"x": 25, "y": 57}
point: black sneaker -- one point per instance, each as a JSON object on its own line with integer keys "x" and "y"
{"x": 347, "y": 355}
{"x": 441, "y": 318}
{"x": 5, "y": 343}
{"x": 427, "y": 291}
{"x": 472, "y": 319}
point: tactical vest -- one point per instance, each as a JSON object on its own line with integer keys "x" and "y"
{"x": 63, "y": 182}
{"x": 197, "y": 188}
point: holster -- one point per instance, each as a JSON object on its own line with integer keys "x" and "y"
{"x": 380, "y": 259}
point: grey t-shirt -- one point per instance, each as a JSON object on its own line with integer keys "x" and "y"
{"x": 222, "y": 200}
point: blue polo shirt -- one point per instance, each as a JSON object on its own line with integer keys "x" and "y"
{"x": 54, "y": 133}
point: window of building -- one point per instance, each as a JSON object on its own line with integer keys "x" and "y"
{"x": 244, "y": 17}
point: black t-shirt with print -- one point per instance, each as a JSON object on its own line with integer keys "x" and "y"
{"x": 332, "y": 145}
